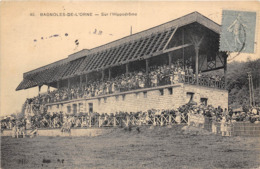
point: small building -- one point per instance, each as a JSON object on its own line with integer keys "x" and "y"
{"x": 189, "y": 43}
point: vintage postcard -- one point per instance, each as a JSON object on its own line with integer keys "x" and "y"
{"x": 129, "y": 84}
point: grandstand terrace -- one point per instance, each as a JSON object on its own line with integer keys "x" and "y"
{"x": 163, "y": 67}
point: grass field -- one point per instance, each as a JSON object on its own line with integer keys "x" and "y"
{"x": 158, "y": 147}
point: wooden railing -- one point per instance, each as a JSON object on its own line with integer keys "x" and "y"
{"x": 186, "y": 79}
{"x": 203, "y": 81}
{"x": 125, "y": 120}
{"x": 132, "y": 120}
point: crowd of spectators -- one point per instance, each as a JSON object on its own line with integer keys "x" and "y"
{"x": 46, "y": 120}
{"x": 157, "y": 76}
{"x": 219, "y": 114}
{"x": 57, "y": 120}
{"x": 7, "y": 123}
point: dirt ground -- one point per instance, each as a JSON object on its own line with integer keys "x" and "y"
{"x": 151, "y": 147}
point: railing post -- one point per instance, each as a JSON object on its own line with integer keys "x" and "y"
{"x": 154, "y": 123}
{"x": 81, "y": 121}
{"x": 161, "y": 120}
{"x": 114, "y": 119}
{"x": 188, "y": 119}
{"x": 170, "y": 119}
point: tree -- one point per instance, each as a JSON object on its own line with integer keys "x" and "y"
{"x": 237, "y": 82}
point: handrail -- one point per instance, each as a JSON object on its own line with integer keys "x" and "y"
{"x": 147, "y": 83}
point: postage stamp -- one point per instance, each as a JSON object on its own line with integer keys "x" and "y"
{"x": 238, "y": 31}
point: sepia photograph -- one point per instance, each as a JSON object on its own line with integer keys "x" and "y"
{"x": 129, "y": 84}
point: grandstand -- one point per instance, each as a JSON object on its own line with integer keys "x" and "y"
{"x": 163, "y": 67}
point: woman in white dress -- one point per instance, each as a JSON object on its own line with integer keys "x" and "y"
{"x": 178, "y": 117}
{"x": 14, "y": 131}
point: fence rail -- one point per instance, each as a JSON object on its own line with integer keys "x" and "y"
{"x": 202, "y": 81}
{"x": 147, "y": 83}
{"x": 131, "y": 120}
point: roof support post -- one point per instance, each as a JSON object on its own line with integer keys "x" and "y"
{"x": 183, "y": 53}
{"x": 86, "y": 78}
{"x": 48, "y": 89}
{"x": 39, "y": 87}
{"x": 225, "y": 71}
{"x": 196, "y": 42}
{"x": 197, "y": 63}
{"x": 127, "y": 68}
{"x": 69, "y": 83}
{"x": 147, "y": 66}
{"x": 58, "y": 84}
{"x": 80, "y": 80}
{"x": 103, "y": 75}
{"x": 109, "y": 74}
{"x": 170, "y": 58}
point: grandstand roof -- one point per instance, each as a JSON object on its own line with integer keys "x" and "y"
{"x": 138, "y": 46}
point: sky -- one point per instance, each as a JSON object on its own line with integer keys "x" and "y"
{"x": 29, "y": 40}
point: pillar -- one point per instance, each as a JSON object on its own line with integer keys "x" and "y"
{"x": 68, "y": 83}
{"x": 197, "y": 63}
{"x": 86, "y": 79}
{"x": 103, "y": 75}
{"x": 109, "y": 74}
{"x": 48, "y": 89}
{"x": 183, "y": 54}
{"x": 147, "y": 66}
{"x": 170, "y": 58}
{"x": 80, "y": 80}
{"x": 225, "y": 71}
{"x": 127, "y": 68}
{"x": 39, "y": 87}
{"x": 58, "y": 84}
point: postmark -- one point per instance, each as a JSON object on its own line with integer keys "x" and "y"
{"x": 238, "y": 31}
